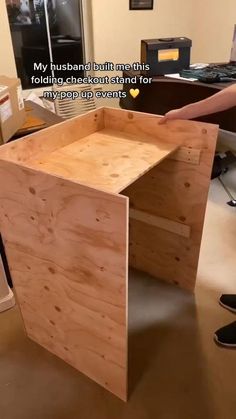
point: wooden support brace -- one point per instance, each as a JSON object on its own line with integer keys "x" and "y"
{"x": 187, "y": 155}
{"x": 160, "y": 222}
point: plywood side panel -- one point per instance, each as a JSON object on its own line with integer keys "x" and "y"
{"x": 164, "y": 255}
{"x": 176, "y": 191}
{"x": 42, "y": 143}
{"x": 184, "y": 133}
{"x": 67, "y": 249}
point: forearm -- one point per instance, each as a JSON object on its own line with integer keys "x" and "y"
{"x": 221, "y": 101}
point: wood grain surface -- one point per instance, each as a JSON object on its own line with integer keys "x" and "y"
{"x": 106, "y": 160}
{"x": 67, "y": 249}
{"x": 44, "y": 142}
{"x": 65, "y": 226}
{"x": 174, "y": 190}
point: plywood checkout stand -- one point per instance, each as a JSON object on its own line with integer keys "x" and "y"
{"x": 82, "y": 201}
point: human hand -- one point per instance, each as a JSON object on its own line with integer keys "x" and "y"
{"x": 175, "y": 114}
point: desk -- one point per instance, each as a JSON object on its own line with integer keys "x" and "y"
{"x": 83, "y": 201}
{"x": 165, "y": 94}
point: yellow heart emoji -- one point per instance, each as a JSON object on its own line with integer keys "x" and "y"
{"x": 134, "y": 93}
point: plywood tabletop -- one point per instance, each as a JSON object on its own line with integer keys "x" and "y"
{"x": 107, "y": 160}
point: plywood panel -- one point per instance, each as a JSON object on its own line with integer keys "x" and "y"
{"x": 66, "y": 239}
{"x": 163, "y": 254}
{"x": 184, "y": 133}
{"x": 67, "y": 250}
{"x": 42, "y": 143}
{"x": 174, "y": 190}
{"x": 181, "y": 199}
{"x": 107, "y": 160}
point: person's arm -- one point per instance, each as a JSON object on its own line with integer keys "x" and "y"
{"x": 221, "y": 101}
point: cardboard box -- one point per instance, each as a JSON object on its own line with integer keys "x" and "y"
{"x": 12, "y": 111}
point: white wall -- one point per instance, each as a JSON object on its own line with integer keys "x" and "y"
{"x": 213, "y": 30}
{"x": 118, "y": 31}
{"x": 7, "y": 62}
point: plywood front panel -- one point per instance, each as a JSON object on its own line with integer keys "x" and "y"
{"x": 67, "y": 250}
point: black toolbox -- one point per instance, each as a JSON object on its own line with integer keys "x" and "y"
{"x": 165, "y": 55}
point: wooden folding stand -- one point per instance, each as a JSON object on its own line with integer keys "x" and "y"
{"x": 83, "y": 200}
